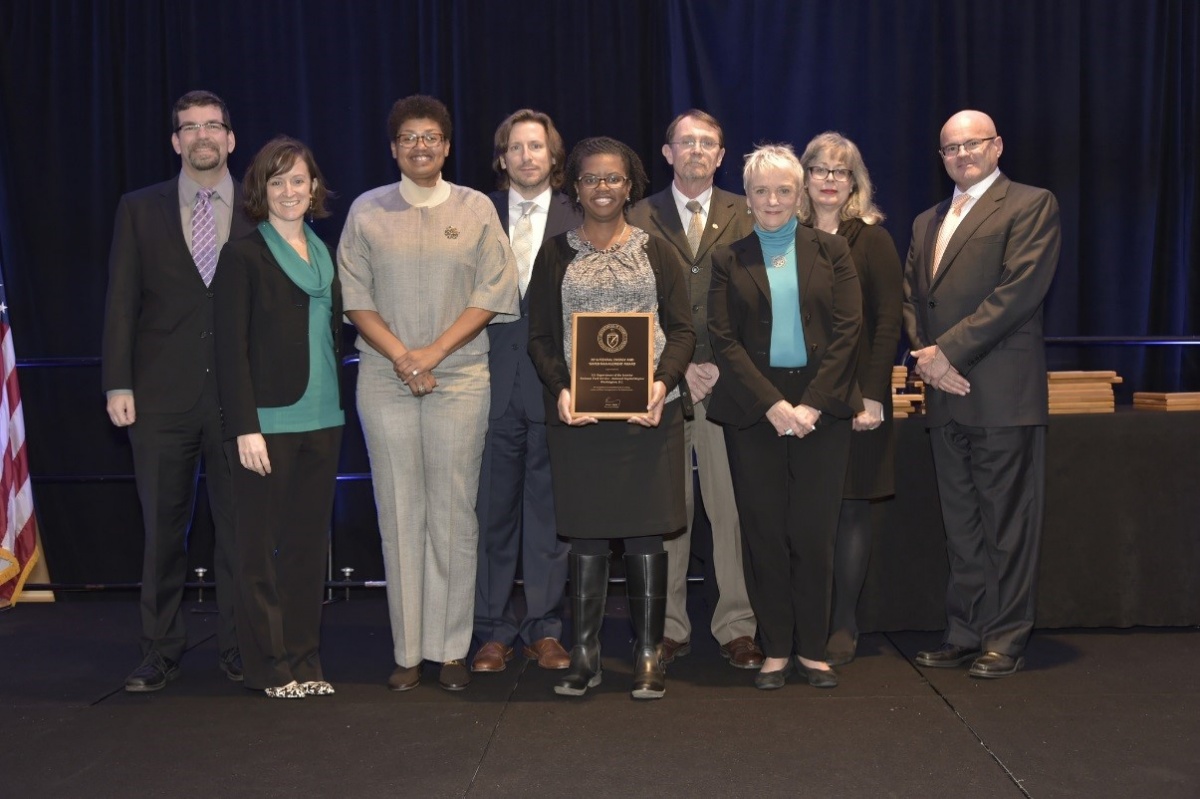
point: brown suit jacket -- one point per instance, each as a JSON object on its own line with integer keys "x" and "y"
{"x": 984, "y": 307}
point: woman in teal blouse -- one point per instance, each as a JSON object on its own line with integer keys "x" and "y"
{"x": 278, "y": 330}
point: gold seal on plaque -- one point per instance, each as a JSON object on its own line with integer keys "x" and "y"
{"x": 612, "y": 338}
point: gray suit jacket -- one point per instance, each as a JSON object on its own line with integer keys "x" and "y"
{"x": 984, "y": 307}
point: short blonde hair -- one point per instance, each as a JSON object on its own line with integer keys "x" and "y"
{"x": 861, "y": 203}
{"x": 768, "y": 157}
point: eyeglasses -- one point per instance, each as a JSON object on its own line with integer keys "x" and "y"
{"x": 841, "y": 174}
{"x": 193, "y": 128}
{"x": 614, "y": 180}
{"x": 707, "y": 145}
{"x": 971, "y": 146}
{"x": 410, "y": 139}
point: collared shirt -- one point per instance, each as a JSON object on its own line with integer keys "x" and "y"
{"x": 538, "y": 217}
{"x": 685, "y": 216}
{"x": 975, "y": 191}
{"x": 222, "y": 203}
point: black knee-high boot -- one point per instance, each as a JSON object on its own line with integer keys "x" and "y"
{"x": 589, "y": 589}
{"x": 646, "y": 579}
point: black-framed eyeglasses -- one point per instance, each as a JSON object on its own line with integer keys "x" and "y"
{"x": 209, "y": 127}
{"x": 840, "y": 174}
{"x": 971, "y": 146}
{"x": 707, "y": 145}
{"x": 614, "y": 180}
{"x": 411, "y": 139}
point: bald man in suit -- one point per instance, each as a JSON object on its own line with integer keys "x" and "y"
{"x": 692, "y": 207}
{"x": 979, "y": 266}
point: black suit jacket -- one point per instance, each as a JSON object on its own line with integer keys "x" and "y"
{"x": 508, "y": 356}
{"x": 740, "y": 320}
{"x": 984, "y": 307}
{"x": 158, "y": 321}
{"x": 262, "y": 333}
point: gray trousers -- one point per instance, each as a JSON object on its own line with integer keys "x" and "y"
{"x": 425, "y": 455}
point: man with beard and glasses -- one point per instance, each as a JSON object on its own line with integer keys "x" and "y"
{"x": 516, "y": 502}
{"x": 695, "y": 217}
{"x": 158, "y": 374}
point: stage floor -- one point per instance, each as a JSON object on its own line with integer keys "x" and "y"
{"x": 1096, "y": 713}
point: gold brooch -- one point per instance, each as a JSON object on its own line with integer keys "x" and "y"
{"x": 452, "y": 232}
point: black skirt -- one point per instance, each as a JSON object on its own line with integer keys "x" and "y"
{"x": 619, "y": 480}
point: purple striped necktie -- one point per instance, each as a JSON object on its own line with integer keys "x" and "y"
{"x": 204, "y": 235}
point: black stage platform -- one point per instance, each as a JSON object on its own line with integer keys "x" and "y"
{"x": 1097, "y": 713}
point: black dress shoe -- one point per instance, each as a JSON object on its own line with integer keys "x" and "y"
{"x": 455, "y": 676}
{"x": 231, "y": 664}
{"x": 770, "y": 680}
{"x": 819, "y": 678}
{"x": 947, "y": 656}
{"x": 153, "y": 675}
{"x": 991, "y": 665}
{"x": 841, "y": 648}
{"x": 405, "y": 678}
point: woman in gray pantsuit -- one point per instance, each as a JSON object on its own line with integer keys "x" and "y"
{"x": 425, "y": 266}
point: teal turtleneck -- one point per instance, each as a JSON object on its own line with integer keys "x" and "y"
{"x": 788, "y": 350}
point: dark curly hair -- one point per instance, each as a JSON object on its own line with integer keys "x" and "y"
{"x": 418, "y": 106}
{"x": 276, "y": 157}
{"x": 603, "y": 145}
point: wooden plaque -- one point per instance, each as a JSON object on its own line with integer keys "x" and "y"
{"x": 612, "y": 364}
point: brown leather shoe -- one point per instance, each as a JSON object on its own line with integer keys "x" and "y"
{"x": 548, "y": 653}
{"x": 405, "y": 678}
{"x": 492, "y": 656}
{"x": 672, "y": 649}
{"x": 742, "y": 653}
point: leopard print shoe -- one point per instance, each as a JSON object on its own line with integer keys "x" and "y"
{"x": 292, "y": 690}
{"x": 317, "y": 688}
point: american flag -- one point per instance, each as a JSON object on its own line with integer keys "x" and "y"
{"x": 18, "y": 547}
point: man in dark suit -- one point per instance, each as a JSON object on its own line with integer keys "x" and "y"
{"x": 159, "y": 378}
{"x": 978, "y": 269}
{"x": 516, "y": 503}
{"x": 695, "y": 217}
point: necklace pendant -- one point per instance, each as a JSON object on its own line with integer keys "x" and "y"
{"x": 777, "y": 261}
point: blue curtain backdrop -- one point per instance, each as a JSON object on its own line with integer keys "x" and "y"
{"x": 1096, "y": 100}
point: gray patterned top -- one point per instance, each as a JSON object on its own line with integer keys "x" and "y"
{"x": 616, "y": 280}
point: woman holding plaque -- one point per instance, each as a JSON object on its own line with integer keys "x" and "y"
{"x": 784, "y": 316}
{"x": 838, "y": 199}
{"x": 613, "y": 478}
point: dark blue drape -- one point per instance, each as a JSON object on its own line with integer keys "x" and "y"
{"x": 1095, "y": 99}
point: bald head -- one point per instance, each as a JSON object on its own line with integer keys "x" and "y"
{"x": 975, "y": 146}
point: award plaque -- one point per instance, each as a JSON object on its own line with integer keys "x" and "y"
{"x": 612, "y": 364}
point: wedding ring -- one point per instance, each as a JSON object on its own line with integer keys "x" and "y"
{"x": 415, "y": 372}
{"x": 789, "y": 432}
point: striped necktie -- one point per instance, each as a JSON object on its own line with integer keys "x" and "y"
{"x": 949, "y": 225}
{"x": 522, "y": 244}
{"x": 204, "y": 235}
{"x": 695, "y": 230}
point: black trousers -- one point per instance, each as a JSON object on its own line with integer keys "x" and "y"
{"x": 167, "y": 449}
{"x": 991, "y": 481}
{"x": 789, "y": 492}
{"x": 283, "y": 524}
